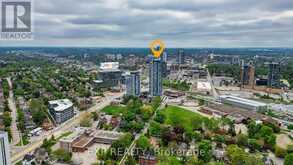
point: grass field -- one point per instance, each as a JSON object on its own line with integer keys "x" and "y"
{"x": 65, "y": 134}
{"x": 176, "y": 115}
{"x": 113, "y": 109}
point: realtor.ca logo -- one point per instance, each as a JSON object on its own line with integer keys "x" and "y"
{"x": 16, "y": 20}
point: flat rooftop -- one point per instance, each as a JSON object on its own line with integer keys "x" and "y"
{"x": 204, "y": 86}
{"x": 107, "y": 134}
{"x": 62, "y": 104}
{"x": 109, "y": 66}
{"x": 237, "y": 112}
{"x": 83, "y": 141}
{"x": 70, "y": 138}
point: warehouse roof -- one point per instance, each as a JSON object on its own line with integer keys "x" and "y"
{"x": 242, "y": 101}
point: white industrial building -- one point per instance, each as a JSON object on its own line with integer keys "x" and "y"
{"x": 243, "y": 103}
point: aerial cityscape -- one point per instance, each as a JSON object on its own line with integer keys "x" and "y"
{"x": 125, "y": 93}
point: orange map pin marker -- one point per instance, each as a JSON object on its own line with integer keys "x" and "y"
{"x": 157, "y": 47}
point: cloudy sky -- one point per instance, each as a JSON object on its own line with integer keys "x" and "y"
{"x": 179, "y": 23}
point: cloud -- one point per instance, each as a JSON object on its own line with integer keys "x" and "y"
{"x": 180, "y": 23}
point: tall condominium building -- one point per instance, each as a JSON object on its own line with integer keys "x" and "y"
{"x": 155, "y": 77}
{"x": 61, "y": 110}
{"x": 247, "y": 75}
{"x": 180, "y": 57}
{"x": 164, "y": 59}
{"x": 274, "y": 75}
{"x": 164, "y": 70}
{"x": 133, "y": 84}
{"x": 4, "y": 149}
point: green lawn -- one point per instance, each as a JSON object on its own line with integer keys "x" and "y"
{"x": 179, "y": 116}
{"x": 65, "y": 134}
{"x": 113, "y": 109}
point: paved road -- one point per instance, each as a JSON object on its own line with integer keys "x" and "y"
{"x": 11, "y": 104}
{"x": 63, "y": 128}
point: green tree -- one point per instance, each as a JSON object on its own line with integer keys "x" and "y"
{"x": 95, "y": 116}
{"x": 121, "y": 145}
{"x": 242, "y": 140}
{"x": 211, "y": 124}
{"x": 128, "y": 116}
{"x": 156, "y": 101}
{"x": 216, "y": 163}
{"x": 155, "y": 129}
{"x": 134, "y": 105}
{"x": 146, "y": 111}
{"x": 39, "y": 117}
{"x": 160, "y": 117}
{"x": 275, "y": 127}
{"x": 258, "y": 131}
{"x": 62, "y": 155}
{"x": 280, "y": 152}
{"x": 20, "y": 119}
{"x": 219, "y": 138}
{"x": 194, "y": 161}
{"x": 201, "y": 102}
{"x": 7, "y": 119}
{"x": 290, "y": 149}
{"x": 254, "y": 145}
{"x": 130, "y": 161}
{"x": 86, "y": 121}
{"x": 101, "y": 154}
{"x": 253, "y": 129}
{"x": 205, "y": 151}
{"x": 238, "y": 156}
{"x": 290, "y": 126}
{"x": 268, "y": 134}
{"x": 38, "y": 110}
{"x": 143, "y": 143}
{"x": 288, "y": 159}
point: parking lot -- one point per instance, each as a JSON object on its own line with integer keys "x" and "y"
{"x": 89, "y": 156}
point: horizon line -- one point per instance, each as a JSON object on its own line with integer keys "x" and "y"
{"x": 124, "y": 47}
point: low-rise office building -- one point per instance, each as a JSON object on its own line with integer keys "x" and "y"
{"x": 66, "y": 143}
{"x": 61, "y": 110}
{"x": 106, "y": 137}
{"x": 82, "y": 143}
{"x": 82, "y": 140}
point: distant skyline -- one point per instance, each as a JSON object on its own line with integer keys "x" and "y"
{"x": 179, "y": 23}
